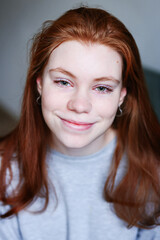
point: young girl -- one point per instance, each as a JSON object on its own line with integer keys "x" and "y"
{"x": 83, "y": 162}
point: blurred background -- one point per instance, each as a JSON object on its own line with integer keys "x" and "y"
{"x": 21, "y": 19}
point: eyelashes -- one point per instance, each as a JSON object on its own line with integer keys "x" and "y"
{"x": 102, "y": 89}
{"x": 62, "y": 83}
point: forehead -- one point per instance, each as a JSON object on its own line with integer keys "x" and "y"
{"x": 90, "y": 59}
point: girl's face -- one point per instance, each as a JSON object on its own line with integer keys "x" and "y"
{"x": 81, "y": 89}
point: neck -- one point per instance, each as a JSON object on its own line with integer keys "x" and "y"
{"x": 86, "y": 150}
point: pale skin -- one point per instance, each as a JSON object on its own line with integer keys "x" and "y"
{"x": 81, "y": 89}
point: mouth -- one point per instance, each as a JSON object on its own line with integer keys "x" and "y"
{"x": 80, "y": 126}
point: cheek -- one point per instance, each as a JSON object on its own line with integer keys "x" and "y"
{"x": 52, "y": 101}
{"x": 107, "y": 108}
{"x": 107, "y": 112}
{"x": 47, "y": 102}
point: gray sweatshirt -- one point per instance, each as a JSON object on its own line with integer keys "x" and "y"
{"x": 76, "y": 209}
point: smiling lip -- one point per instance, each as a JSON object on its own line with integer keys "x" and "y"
{"x": 80, "y": 126}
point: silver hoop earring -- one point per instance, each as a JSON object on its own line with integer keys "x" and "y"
{"x": 119, "y": 112}
{"x": 38, "y": 100}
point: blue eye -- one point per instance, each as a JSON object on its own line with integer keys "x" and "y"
{"x": 62, "y": 83}
{"x": 104, "y": 89}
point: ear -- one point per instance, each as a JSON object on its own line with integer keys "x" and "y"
{"x": 39, "y": 85}
{"x": 122, "y": 95}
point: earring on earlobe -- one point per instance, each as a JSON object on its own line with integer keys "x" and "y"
{"x": 119, "y": 112}
{"x": 38, "y": 100}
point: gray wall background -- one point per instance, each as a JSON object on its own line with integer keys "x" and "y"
{"x": 20, "y": 19}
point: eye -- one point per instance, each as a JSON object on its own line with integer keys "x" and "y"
{"x": 103, "y": 89}
{"x": 63, "y": 83}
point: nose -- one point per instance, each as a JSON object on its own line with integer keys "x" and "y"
{"x": 79, "y": 104}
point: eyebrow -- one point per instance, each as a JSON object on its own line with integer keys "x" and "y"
{"x": 62, "y": 71}
{"x": 108, "y": 78}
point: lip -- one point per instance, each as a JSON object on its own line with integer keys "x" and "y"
{"x": 80, "y": 126}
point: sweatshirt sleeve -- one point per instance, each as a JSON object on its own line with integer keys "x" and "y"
{"x": 9, "y": 229}
{"x": 157, "y": 233}
{"x": 149, "y": 234}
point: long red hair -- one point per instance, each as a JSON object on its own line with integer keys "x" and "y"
{"x": 138, "y": 130}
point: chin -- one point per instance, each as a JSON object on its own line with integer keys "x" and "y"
{"x": 75, "y": 145}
